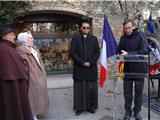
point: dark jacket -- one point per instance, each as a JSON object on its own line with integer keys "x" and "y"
{"x": 84, "y": 50}
{"x": 134, "y": 44}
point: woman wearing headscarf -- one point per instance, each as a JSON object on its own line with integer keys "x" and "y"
{"x": 37, "y": 90}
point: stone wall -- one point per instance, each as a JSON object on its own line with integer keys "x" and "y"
{"x": 93, "y": 9}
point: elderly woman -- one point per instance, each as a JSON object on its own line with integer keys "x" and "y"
{"x": 14, "y": 101}
{"x": 37, "y": 90}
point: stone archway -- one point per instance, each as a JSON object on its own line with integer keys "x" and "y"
{"x": 52, "y": 30}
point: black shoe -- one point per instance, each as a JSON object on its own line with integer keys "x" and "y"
{"x": 127, "y": 116}
{"x": 138, "y": 116}
{"x": 91, "y": 110}
{"x": 78, "y": 113}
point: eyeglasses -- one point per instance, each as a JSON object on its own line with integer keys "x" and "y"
{"x": 85, "y": 28}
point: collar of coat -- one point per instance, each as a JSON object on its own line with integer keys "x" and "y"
{"x": 8, "y": 42}
{"x": 23, "y": 49}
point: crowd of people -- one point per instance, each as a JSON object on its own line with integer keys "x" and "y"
{"x": 23, "y": 78}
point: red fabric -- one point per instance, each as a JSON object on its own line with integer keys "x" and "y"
{"x": 11, "y": 65}
{"x": 102, "y": 76}
{"x": 153, "y": 68}
{"x": 14, "y": 102}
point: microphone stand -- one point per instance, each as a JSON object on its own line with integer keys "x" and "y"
{"x": 148, "y": 76}
{"x": 149, "y": 115}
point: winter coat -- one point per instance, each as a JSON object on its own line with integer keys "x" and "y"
{"x": 134, "y": 44}
{"x": 38, "y": 94}
{"x": 84, "y": 50}
{"x": 14, "y": 101}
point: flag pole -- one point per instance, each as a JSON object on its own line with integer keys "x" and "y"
{"x": 115, "y": 91}
{"x": 109, "y": 47}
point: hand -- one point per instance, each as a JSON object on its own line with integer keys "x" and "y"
{"x": 87, "y": 64}
{"x": 124, "y": 52}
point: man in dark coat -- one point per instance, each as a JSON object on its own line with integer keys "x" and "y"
{"x": 85, "y": 52}
{"x": 14, "y": 101}
{"x": 132, "y": 43}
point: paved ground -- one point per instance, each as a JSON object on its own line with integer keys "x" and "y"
{"x": 61, "y": 101}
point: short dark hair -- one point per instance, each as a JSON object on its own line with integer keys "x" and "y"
{"x": 83, "y": 21}
{"x": 126, "y": 21}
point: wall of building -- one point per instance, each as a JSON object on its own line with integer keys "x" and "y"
{"x": 93, "y": 9}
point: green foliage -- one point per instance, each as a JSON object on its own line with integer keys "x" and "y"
{"x": 9, "y": 10}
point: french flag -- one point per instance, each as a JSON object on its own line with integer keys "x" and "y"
{"x": 109, "y": 47}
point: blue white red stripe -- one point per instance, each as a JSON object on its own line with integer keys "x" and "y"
{"x": 103, "y": 63}
{"x": 109, "y": 47}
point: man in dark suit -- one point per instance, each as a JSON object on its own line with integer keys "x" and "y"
{"x": 132, "y": 43}
{"x": 84, "y": 51}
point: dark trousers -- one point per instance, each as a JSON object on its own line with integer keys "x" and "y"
{"x": 128, "y": 94}
{"x": 85, "y": 95}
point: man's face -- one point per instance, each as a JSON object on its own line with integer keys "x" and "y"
{"x": 10, "y": 37}
{"x": 128, "y": 28}
{"x": 85, "y": 29}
